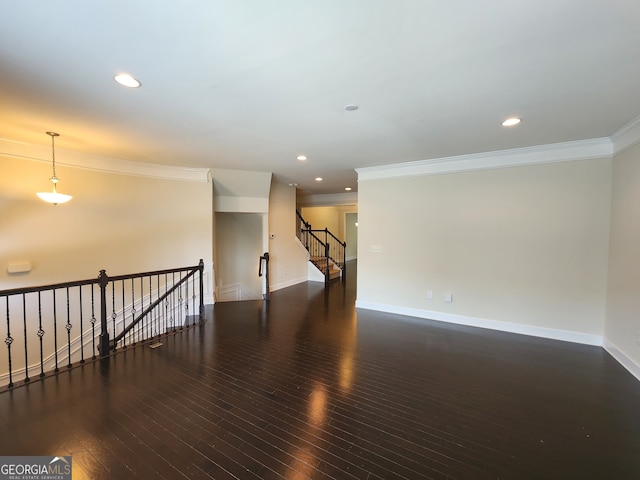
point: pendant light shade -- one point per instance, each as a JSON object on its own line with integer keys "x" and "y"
{"x": 54, "y": 197}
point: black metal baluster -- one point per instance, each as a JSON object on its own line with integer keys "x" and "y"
{"x": 93, "y": 323}
{"x": 161, "y": 318}
{"x": 113, "y": 312}
{"x": 173, "y": 302}
{"x": 150, "y": 323}
{"x": 24, "y": 324}
{"x": 155, "y": 320}
{"x": 166, "y": 305}
{"x": 68, "y": 326}
{"x": 152, "y": 313}
{"x": 186, "y": 302}
{"x": 141, "y": 323}
{"x": 193, "y": 296}
{"x": 55, "y": 331}
{"x": 8, "y": 341}
{"x": 124, "y": 318}
{"x": 158, "y": 316}
{"x": 133, "y": 311}
{"x": 170, "y": 303}
{"x": 81, "y": 327}
{"x": 180, "y": 300}
{"x": 40, "y": 334}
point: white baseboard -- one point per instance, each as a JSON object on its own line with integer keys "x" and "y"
{"x": 622, "y": 358}
{"x": 551, "y": 333}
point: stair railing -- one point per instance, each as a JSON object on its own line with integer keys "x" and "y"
{"x": 337, "y": 250}
{"x": 322, "y": 243}
{"x": 54, "y": 326}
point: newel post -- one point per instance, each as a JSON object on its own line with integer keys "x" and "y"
{"x": 103, "y": 345}
{"x": 201, "y": 268}
{"x": 326, "y": 259}
{"x": 344, "y": 261}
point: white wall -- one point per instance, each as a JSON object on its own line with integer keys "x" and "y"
{"x": 351, "y": 235}
{"x": 324, "y": 217}
{"x": 288, "y": 258}
{"x": 121, "y": 223}
{"x": 520, "y": 248}
{"x": 331, "y": 217}
{"x": 623, "y": 292}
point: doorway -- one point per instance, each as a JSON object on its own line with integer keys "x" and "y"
{"x": 239, "y": 245}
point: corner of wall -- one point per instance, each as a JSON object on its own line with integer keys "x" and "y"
{"x": 622, "y": 358}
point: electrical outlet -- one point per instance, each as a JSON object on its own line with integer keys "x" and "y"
{"x": 638, "y": 338}
{"x": 448, "y": 297}
{"x": 430, "y": 295}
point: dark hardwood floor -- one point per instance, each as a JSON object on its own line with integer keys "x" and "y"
{"x": 305, "y": 386}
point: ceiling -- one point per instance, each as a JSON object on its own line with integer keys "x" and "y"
{"x": 251, "y": 84}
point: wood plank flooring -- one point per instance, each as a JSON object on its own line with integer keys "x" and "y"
{"x": 305, "y": 386}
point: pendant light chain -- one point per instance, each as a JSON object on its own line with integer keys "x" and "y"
{"x": 53, "y": 135}
{"x": 54, "y": 197}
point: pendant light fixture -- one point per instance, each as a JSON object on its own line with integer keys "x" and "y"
{"x": 54, "y": 197}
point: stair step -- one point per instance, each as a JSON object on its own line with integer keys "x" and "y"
{"x": 320, "y": 263}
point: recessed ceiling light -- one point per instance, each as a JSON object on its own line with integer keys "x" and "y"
{"x": 302, "y": 158}
{"x": 126, "y": 80}
{"x": 319, "y": 179}
{"x": 348, "y": 189}
{"x": 510, "y": 122}
{"x": 351, "y": 107}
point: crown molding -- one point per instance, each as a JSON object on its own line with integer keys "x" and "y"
{"x": 329, "y": 199}
{"x": 624, "y": 138}
{"x": 73, "y": 159}
{"x": 627, "y": 136}
{"x": 557, "y": 152}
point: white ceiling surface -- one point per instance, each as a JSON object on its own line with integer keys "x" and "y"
{"x": 250, "y": 84}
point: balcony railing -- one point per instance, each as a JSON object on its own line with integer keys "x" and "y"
{"x": 57, "y": 326}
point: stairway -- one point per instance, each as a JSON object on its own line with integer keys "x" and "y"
{"x": 325, "y": 249}
{"x": 320, "y": 263}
